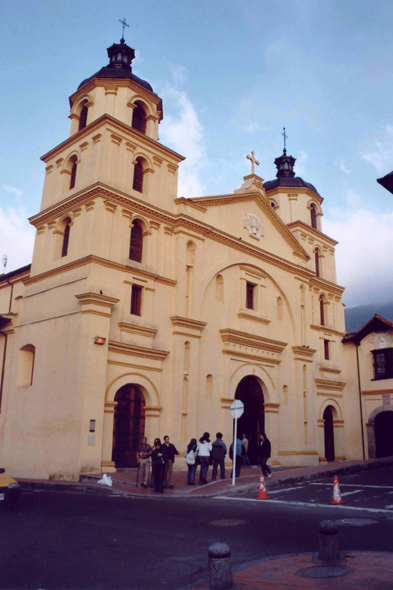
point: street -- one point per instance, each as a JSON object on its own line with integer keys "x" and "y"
{"x": 63, "y": 540}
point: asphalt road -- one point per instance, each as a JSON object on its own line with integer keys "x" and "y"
{"x": 63, "y": 540}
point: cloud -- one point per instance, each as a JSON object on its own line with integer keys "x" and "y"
{"x": 182, "y": 131}
{"x": 343, "y": 167}
{"x": 363, "y": 256}
{"x": 300, "y": 165}
{"x": 353, "y": 198}
{"x": 16, "y": 238}
{"x": 382, "y": 155}
{"x": 12, "y": 189}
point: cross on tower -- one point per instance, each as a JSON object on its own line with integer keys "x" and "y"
{"x": 253, "y": 162}
{"x": 285, "y": 140}
{"x": 125, "y": 24}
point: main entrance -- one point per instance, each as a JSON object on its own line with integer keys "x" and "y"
{"x": 252, "y": 423}
{"x": 128, "y": 425}
{"x": 329, "y": 434}
{"x": 383, "y": 424}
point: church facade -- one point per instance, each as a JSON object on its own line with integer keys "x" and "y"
{"x": 146, "y": 313}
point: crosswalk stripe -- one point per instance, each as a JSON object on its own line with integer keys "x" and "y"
{"x": 305, "y": 505}
{"x": 352, "y": 485}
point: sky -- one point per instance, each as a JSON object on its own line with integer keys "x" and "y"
{"x": 232, "y": 74}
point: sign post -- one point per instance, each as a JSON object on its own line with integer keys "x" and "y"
{"x": 237, "y": 409}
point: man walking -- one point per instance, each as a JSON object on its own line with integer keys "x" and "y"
{"x": 245, "y": 444}
{"x": 218, "y": 453}
{"x": 143, "y": 456}
{"x": 239, "y": 449}
{"x": 264, "y": 452}
{"x": 168, "y": 452}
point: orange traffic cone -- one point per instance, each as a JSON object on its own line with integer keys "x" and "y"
{"x": 336, "y": 492}
{"x": 262, "y": 490}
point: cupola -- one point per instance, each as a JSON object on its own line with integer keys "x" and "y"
{"x": 121, "y": 55}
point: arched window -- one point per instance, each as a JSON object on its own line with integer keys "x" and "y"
{"x": 279, "y": 308}
{"x": 66, "y": 236}
{"x": 219, "y": 288}
{"x": 73, "y": 174}
{"x": 313, "y": 213}
{"x": 139, "y": 118}
{"x": 209, "y": 386}
{"x": 138, "y": 176}
{"x": 187, "y": 352}
{"x": 26, "y": 365}
{"x": 322, "y": 310}
{"x": 136, "y": 241}
{"x": 317, "y": 262}
{"x": 83, "y": 117}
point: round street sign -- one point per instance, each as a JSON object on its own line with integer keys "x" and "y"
{"x": 237, "y": 408}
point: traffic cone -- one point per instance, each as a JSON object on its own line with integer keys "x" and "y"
{"x": 262, "y": 490}
{"x": 336, "y": 492}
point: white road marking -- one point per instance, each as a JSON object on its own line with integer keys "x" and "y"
{"x": 285, "y": 490}
{"x": 352, "y": 485}
{"x": 305, "y": 505}
{"x": 354, "y": 492}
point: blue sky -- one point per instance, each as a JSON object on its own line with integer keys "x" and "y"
{"x": 231, "y": 73}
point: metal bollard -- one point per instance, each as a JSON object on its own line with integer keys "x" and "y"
{"x": 220, "y": 567}
{"x": 328, "y": 541}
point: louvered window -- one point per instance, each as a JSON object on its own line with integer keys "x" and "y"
{"x": 136, "y": 300}
{"x": 136, "y": 242}
{"x": 66, "y": 238}
{"x": 313, "y": 216}
{"x": 83, "y": 118}
{"x": 326, "y": 349}
{"x": 322, "y": 311}
{"x": 139, "y": 119}
{"x": 317, "y": 269}
{"x": 73, "y": 176}
{"x": 138, "y": 177}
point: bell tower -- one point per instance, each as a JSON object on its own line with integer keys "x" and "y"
{"x": 113, "y": 146}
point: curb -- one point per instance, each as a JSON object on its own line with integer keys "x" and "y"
{"x": 241, "y": 489}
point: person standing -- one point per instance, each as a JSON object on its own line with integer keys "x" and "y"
{"x": 264, "y": 452}
{"x": 169, "y": 451}
{"x": 239, "y": 455}
{"x": 219, "y": 450}
{"x": 190, "y": 458}
{"x": 204, "y": 448}
{"x": 245, "y": 442}
{"x": 143, "y": 455}
{"x": 157, "y": 463}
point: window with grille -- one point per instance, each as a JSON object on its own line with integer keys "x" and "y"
{"x": 138, "y": 177}
{"x": 83, "y": 118}
{"x": 326, "y": 349}
{"x": 66, "y": 237}
{"x": 136, "y": 300}
{"x": 313, "y": 216}
{"x": 383, "y": 363}
{"x": 73, "y": 176}
{"x": 139, "y": 119}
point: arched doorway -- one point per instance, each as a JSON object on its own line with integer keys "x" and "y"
{"x": 383, "y": 425}
{"x": 252, "y": 423}
{"x": 128, "y": 425}
{"x": 329, "y": 433}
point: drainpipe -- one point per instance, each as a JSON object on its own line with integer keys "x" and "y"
{"x": 360, "y": 400}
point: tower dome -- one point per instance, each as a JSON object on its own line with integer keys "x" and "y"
{"x": 285, "y": 176}
{"x": 120, "y": 58}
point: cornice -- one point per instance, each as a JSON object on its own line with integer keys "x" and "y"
{"x": 189, "y": 203}
{"x": 180, "y": 322}
{"x": 314, "y": 232}
{"x": 15, "y": 279}
{"x": 139, "y": 351}
{"x": 120, "y": 127}
{"x": 326, "y": 285}
{"x": 288, "y": 190}
{"x": 327, "y": 330}
{"x": 304, "y": 351}
{"x": 250, "y": 340}
{"x": 91, "y": 259}
{"x": 99, "y": 190}
{"x": 244, "y": 315}
{"x": 376, "y": 392}
{"x": 118, "y": 82}
{"x": 134, "y": 329}
{"x": 97, "y": 299}
{"x": 330, "y": 385}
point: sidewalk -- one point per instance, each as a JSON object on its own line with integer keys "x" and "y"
{"x": 361, "y": 569}
{"x": 124, "y": 481}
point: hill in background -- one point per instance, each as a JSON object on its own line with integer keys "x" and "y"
{"x": 356, "y": 317}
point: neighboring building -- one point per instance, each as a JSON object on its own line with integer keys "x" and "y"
{"x": 147, "y": 313}
{"x": 370, "y": 350}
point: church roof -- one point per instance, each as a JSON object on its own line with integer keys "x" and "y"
{"x": 120, "y": 58}
{"x": 286, "y": 175}
{"x": 377, "y": 324}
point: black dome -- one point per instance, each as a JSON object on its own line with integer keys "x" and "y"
{"x": 107, "y": 72}
{"x": 120, "y": 58}
{"x": 287, "y": 181}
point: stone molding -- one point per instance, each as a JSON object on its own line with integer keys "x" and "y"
{"x": 138, "y": 351}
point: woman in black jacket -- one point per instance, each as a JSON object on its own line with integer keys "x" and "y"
{"x": 264, "y": 452}
{"x": 157, "y": 464}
